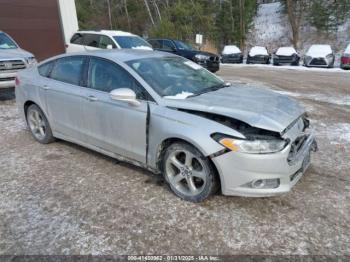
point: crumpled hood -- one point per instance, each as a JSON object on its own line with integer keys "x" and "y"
{"x": 257, "y": 107}
{"x": 14, "y": 53}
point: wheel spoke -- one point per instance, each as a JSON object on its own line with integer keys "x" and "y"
{"x": 42, "y": 131}
{"x": 176, "y": 162}
{"x": 199, "y": 174}
{"x": 177, "y": 178}
{"x": 37, "y": 116}
{"x": 188, "y": 159}
{"x": 192, "y": 187}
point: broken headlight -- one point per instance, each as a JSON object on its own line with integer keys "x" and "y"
{"x": 253, "y": 146}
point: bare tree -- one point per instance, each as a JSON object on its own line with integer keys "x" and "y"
{"x": 157, "y": 10}
{"x": 127, "y": 14}
{"x": 295, "y": 11}
{"x": 149, "y": 12}
{"x": 109, "y": 13}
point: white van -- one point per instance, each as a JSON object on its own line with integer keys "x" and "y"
{"x": 105, "y": 39}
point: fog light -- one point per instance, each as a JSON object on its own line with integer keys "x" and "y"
{"x": 263, "y": 184}
{"x": 258, "y": 183}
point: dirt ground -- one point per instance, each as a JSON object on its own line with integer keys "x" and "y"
{"x": 64, "y": 199}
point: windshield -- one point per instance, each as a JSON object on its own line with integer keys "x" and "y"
{"x": 6, "y": 42}
{"x": 183, "y": 46}
{"x": 131, "y": 42}
{"x": 175, "y": 77}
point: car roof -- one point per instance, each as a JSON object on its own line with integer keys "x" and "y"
{"x": 121, "y": 55}
{"x": 107, "y": 32}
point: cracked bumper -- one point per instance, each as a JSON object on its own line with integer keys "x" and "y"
{"x": 236, "y": 170}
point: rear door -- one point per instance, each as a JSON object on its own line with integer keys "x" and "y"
{"x": 63, "y": 95}
{"x": 115, "y": 126}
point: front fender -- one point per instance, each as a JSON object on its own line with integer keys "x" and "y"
{"x": 167, "y": 123}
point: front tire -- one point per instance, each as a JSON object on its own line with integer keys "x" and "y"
{"x": 38, "y": 125}
{"x": 189, "y": 174}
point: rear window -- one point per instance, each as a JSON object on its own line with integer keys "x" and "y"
{"x": 68, "y": 69}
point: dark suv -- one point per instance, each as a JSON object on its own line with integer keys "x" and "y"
{"x": 208, "y": 60}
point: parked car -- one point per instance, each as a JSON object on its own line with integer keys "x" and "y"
{"x": 345, "y": 59}
{"x": 231, "y": 54}
{"x": 286, "y": 55}
{"x": 207, "y": 60}
{"x": 105, "y": 39}
{"x": 12, "y": 59}
{"x": 319, "y": 56}
{"x": 258, "y": 55}
{"x": 170, "y": 115}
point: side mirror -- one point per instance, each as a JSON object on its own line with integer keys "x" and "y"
{"x": 109, "y": 47}
{"x": 126, "y": 95}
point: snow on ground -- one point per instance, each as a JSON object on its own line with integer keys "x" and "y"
{"x": 337, "y": 100}
{"x": 337, "y": 133}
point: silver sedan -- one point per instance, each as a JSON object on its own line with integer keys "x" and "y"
{"x": 171, "y": 116}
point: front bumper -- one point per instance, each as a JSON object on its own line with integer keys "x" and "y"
{"x": 232, "y": 59}
{"x": 7, "y": 79}
{"x": 236, "y": 170}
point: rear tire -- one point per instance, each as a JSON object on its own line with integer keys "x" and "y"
{"x": 39, "y": 125}
{"x": 189, "y": 174}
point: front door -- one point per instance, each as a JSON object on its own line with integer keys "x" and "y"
{"x": 115, "y": 126}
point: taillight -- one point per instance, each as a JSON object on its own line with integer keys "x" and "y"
{"x": 66, "y": 45}
{"x": 345, "y": 59}
{"x": 17, "y": 82}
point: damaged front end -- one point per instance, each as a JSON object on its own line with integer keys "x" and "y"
{"x": 264, "y": 163}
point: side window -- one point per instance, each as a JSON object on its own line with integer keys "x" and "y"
{"x": 106, "y": 41}
{"x": 168, "y": 45}
{"x": 91, "y": 40}
{"x": 77, "y": 39}
{"x": 155, "y": 43}
{"x": 45, "y": 69}
{"x": 106, "y": 76}
{"x": 68, "y": 69}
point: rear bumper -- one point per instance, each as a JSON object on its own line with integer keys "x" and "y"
{"x": 237, "y": 170}
{"x": 7, "y": 79}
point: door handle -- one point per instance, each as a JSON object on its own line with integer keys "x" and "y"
{"x": 92, "y": 98}
{"x": 45, "y": 87}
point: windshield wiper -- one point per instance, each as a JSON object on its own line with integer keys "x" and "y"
{"x": 211, "y": 89}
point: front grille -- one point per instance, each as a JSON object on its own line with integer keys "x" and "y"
{"x": 214, "y": 58}
{"x": 318, "y": 61}
{"x": 296, "y": 146}
{"x": 285, "y": 59}
{"x": 12, "y": 65}
{"x": 7, "y": 79}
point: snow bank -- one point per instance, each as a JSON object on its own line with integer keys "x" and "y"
{"x": 286, "y": 51}
{"x": 258, "y": 50}
{"x": 231, "y": 49}
{"x": 319, "y": 51}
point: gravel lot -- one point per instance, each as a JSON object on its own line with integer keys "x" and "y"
{"x": 64, "y": 199}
